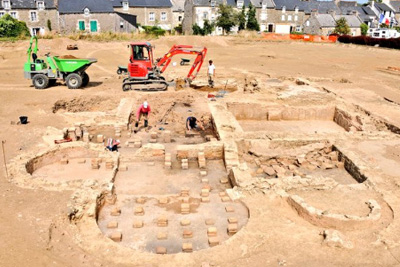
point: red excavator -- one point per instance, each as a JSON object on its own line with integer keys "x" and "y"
{"x": 145, "y": 73}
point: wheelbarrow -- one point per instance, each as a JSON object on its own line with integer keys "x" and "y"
{"x": 122, "y": 70}
{"x": 184, "y": 61}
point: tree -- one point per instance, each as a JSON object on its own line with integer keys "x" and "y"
{"x": 226, "y": 18}
{"x": 242, "y": 19}
{"x": 197, "y": 30}
{"x": 49, "y": 24}
{"x": 10, "y": 27}
{"x": 208, "y": 27}
{"x": 364, "y": 28}
{"x": 342, "y": 27}
{"x": 252, "y": 23}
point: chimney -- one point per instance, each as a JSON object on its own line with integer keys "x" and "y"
{"x": 332, "y": 12}
{"x": 314, "y": 12}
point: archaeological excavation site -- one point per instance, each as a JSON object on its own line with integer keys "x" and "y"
{"x": 291, "y": 168}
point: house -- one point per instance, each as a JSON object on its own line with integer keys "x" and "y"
{"x": 365, "y": 13}
{"x": 263, "y": 11}
{"x": 384, "y": 13}
{"x": 93, "y": 16}
{"x": 396, "y": 9}
{"x": 324, "y": 24}
{"x": 147, "y": 12}
{"x": 38, "y": 14}
{"x": 177, "y": 12}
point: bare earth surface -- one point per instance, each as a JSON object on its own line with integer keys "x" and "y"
{"x": 36, "y": 231}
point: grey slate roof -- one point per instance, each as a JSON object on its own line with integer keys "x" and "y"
{"x": 142, "y": 3}
{"x": 322, "y": 7}
{"x": 258, "y": 3}
{"x": 328, "y": 21}
{"x": 234, "y": 2}
{"x": 178, "y": 5}
{"x": 396, "y": 6}
{"x": 206, "y": 2}
{"x": 29, "y": 4}
{"x": 383, "y": 7}
{"x": 77, "y": 6}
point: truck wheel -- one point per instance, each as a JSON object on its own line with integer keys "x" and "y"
{"x": 85, "y": 79}
{"x": 73, "y": 81}
{"x": 40, "y": 81}
{"x": 119, "y": 71}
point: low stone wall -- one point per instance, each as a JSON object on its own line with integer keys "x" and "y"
{"x": 352, "y": 164}
{"x": 212, "y": 150}
{"x": 334, "y": 220}
{"x": 347, "y": 121}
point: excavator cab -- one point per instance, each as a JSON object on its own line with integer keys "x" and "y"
{"x": 141, "y": 63}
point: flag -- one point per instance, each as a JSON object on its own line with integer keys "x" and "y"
{"x": 381, "y": 17}
{"x": 387, "y": 21}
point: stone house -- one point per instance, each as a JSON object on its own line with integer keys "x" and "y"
{"x": 93, "y": 16}
{"x": 384, "y": 12}
{"x": 396, "y": 9}
{"x": 324, "y": 24}
{"x": 147, "y": 12}
{"x": 365, "y": 13}
{"x": 36, "y": 14}
{"x": 177, "y": 12}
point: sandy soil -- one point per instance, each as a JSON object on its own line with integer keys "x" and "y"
{"x": 34, "y": 228}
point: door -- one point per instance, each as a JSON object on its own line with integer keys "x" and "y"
{"x": 82, "y": 25}
{"x": 93, "y": 26}
{"x": 270, "y": 27}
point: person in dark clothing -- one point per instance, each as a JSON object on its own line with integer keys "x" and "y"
{"x": 193, "y": 123}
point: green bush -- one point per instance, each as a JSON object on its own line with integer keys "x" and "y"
{"x": 364, "y": 29}
{"x": 154, "y": 30}
{"x": 10, "y": 27}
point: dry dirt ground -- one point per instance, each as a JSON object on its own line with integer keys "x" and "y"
{"x": 35, "y": 228}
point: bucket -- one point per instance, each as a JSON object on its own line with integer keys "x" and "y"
{"x": 23, "y": 119}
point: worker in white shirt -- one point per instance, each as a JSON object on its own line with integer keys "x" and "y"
{"x": 211, "y": 73}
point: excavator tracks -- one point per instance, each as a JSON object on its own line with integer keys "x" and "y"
{"x": 146, "y": 85}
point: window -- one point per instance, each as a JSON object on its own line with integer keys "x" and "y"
{"x": 213, "y": 3}
{"x": 289, "y": 17}
{"x": 205, "y": 15}
{"x": 40, "y": 5}
{"x": 2, "y": 14}
{"x": 33, "y": 16}
{"x": 125, "y": 5}
{"x": 121, "y": 25}
{"x": 14, "y": 14}
{"x": 6, "y": 4}
{"x": 264, "y": 6}
{"x": 296, "y": 10}
{"x": 93, "y": 26}
{"x": 308, "y": 23}
{"x": 283, "y": 9}
{"x": 180, "y": 18}
{"x": 152, "y": 17}
{"x": 298, "y": 29}
{"x": 283, "y": 17}
{"x": 81, "y": 25}
{"x": 163, "y": 16}
{"x": 86, "y": 12}
{"x": 239, "y": 4}
{"x": 36, "y": 31}
{"x": 296, "y": 17}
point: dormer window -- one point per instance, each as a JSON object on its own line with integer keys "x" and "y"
{"x": 125, "y": 5}
{"x": 239, "y": 4}
{"x": 264, "y": 6}
{"x": 283, "y": 9}
{"x": 40, "y": 5}
{"x": 296, "y": 10}
{"x": 6, "y": 4}
{"x": 86, "y": 12}
{"x": 213, "y": 2}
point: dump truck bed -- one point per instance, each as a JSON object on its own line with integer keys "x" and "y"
{"x": 73, "y": 64}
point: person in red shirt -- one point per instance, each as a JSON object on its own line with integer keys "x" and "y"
{"x": 143, "y": 110}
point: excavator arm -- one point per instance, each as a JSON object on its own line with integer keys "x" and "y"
{"x": 186, "y": 50}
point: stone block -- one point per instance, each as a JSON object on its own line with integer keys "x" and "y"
{"x": 185, "y": 161}
{"x": 168, "y": 156}
{"x": 112, "y": 224}
{"x": 206, "y": 186}
{"x": 168, "y": 165}
{"x": 232, "y": 220}
{"x": 204, "y": 180}
{"x": 167, "y": 136}
{"x": 213, "y": 241}
{"x": 185, "y": 166}
{"x": 162, "y": 221}
{"x": 232, "y": 228}
{"x": 185, "y": 222}
{"x": 64, "y": 161}
{"x": 109, "y": 164}
{"x": 140, "y": 200}
{"x": 115, "y": 211}
{"x": 185, "y": 208}
{"x": 205, "y": 192}
{"x": 224, "y": 180}
{"x": 153, "y": 141}
{"x": 153, "y": 135}
{"x": 185, "y": 199}
{"x": 161, "y": 250}
{"x": 85, "y": 137}
{"x": 209, "y": 222}
{"x": 187, "y": 247}
{"x": 185, "y": 192}
{"x": 139, "y": 211}
{"x": 187, "y": 234}
{"x": 203, "y": 173}
{"x": 81, "y": 161}
{"x": 205, "y": 199}
{"x": 123, "y": 167}
{"x": 116, "y": 236}
{"x": 229, "y": 209}
{"x": 163, "y": 200}
{"x": 137, "y": 144}
{"x": 225, "y": 199}
{"x": 212, "y": 231}
{"x": 100, "y": 138}
{"x": 162, "y": 235}
{"x": 138, "y": 224}
{"x": 150, "y": 151}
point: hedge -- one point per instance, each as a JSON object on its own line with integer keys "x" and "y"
{"x": 366, "y": 40}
